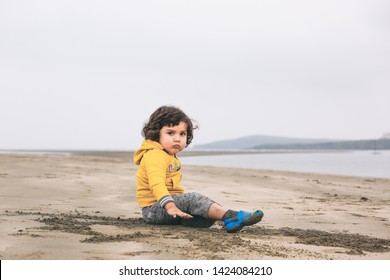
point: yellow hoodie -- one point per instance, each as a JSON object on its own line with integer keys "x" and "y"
{"x": 158, "y": 176}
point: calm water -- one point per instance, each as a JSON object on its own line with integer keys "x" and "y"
{"x": 356, "y": 163}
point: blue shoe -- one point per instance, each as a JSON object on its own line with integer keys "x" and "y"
{"x": 243, "y": 219}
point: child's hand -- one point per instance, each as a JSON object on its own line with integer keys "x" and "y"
{"x": 173, "y": 211}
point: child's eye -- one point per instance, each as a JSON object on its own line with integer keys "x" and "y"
{"x": 183, "y": 133}
{"x": 170, "y": 133}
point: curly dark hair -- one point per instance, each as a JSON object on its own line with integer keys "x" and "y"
{"x": 167, "y": 116}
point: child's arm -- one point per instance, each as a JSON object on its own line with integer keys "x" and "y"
{"x": 173, "y": 211}
{"x": 155, "y": 165}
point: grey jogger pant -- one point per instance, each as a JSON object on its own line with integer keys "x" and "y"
{"x": 193, "y": 203}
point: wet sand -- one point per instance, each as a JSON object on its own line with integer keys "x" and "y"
{"x": 83, "y": 206}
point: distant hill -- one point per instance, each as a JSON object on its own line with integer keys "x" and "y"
{"x": 375, "y": 144}
{"x": 250, "y": 142}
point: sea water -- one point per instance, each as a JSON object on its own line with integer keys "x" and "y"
{"x": 350, "y": 163}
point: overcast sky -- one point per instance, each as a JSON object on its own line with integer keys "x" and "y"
{"x": 86, "y": 74}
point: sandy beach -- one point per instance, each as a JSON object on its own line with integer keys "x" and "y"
{"x": 83, "y": 206}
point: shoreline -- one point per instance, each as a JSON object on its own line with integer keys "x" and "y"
{"x": 185, "y": 153}
{"x": 128, "y": 156}
{"x": 84, "y": 207}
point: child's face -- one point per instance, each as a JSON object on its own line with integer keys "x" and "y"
{"x": 174, "y": 138}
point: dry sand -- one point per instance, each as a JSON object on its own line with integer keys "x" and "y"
{"x": 83, "y": 206}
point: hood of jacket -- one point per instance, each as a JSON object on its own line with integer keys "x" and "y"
{"x": 147, "y": 145}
